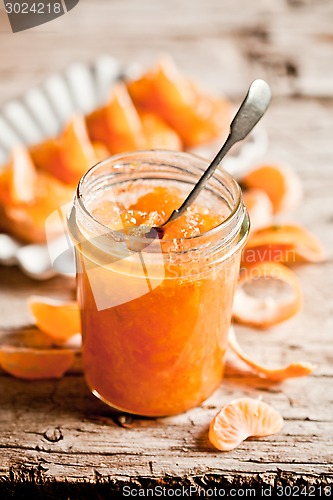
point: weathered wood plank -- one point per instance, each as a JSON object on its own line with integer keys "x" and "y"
{"x": 89, "y": 437}
{"x": 56, "y": 439}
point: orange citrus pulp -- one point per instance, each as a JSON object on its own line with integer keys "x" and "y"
{"x": 196, "y": 116}
{"x": 280, "y": 183}
{"x": 28, "y": 197}
{"x": 241, "y": 419}
{"x": 59, "y": 320}
{"x": 69, "y": 156}
{"x": 32, "y": 364}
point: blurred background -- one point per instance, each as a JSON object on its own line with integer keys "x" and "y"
{"x": 226, "y": 43}
{"x": 222, "y": 44}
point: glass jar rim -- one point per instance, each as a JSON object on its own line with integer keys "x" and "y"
{"x": 166, "y": 155}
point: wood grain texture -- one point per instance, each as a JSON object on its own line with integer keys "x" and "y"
{"x": 56, "y": 439}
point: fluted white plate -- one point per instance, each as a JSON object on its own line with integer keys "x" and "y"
{"x": 41, "y": 112}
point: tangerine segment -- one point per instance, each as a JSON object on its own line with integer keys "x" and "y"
{"x": 32, "y": 364}
{"x": 46, "y": 156}
{"x": 280, "y": 183}
{"x": 259, "y": 207}
{"x": 77, "y": 152}
{"x": 286, "y": 244}
{"x": 266, "y": 311}
{"x": 69, "y": 156}
{"x": 101, "y": 151}
{"x": 197, "y": 117}
{"x": 240, "y": 419}
{"x": 26, "y": 221}
{"x": 98, "y": 127}
{"x": 59, "y": 320}
{"x": 158, "y": 135}
{"x": 18, "y": 180}
{"x": 300, "y": 369}
{"x": 117, "y": 125}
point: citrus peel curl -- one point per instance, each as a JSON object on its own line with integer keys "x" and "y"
{"x": 288, "y": 243}
{"x": 277, "y": 374}
{"x": 266, "y": 311}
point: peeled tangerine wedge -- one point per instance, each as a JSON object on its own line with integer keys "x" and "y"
{"x": 196, "y": 116}
{"x": 77, "y": 152}
{"x": 32, "y": 364}
{"x": 285, "y": 244}
{"x": 46, "y": 156}
{"x": 241, "y": 419}
{"x": 279, "y": 182}
{"x": 68, "y": 157}
{"x": 59, "y": 320}
{"x": 117, "y": 125}
{"x": 266, "y": 310}
{"x": 121, "y": 127}
{"x": 18, "y": 180}
{"x": 158, "y": 135}
{"x": 300, "y": 369}
{"x": 25, "y": 204}
{"x": 259, "y": 207}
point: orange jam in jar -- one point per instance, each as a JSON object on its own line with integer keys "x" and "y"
{"x": 155, "y": 312}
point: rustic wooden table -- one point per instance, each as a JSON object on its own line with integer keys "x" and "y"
{"x": 56, "y": 439}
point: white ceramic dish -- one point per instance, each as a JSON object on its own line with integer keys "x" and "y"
{"x": 42, "y": 111}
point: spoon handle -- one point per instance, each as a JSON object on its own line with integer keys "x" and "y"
{"x": 249, "y": 113}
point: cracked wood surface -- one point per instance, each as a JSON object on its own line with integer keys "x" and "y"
{"x": 56, "y": 439}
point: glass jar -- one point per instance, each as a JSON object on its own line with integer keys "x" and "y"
{"x": 155, "y": 313}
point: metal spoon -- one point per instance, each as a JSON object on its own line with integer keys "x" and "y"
{"x": 251, "y": 110}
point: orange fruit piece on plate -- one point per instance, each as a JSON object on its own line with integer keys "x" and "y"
{"x": 46, "y": 156}
{"x": 59, "y": 320}
{"x": 32, "y": 364}
{"x": 158, "y": 135}
{"x": 101, "y": 151}
{"x": 259, "y": 207}
{"x": 300, "y": 369}
{"x": 240, "y": 419}
{"x": 68, "y": 157}
{"x": 98, "y": 126}
{"x": 26, "y": 219}
{"x": 77, "y": 151}
{"x": 266, "y": 310}
{"x": 117, "y": 125}
{"x": 195, "y": 115}
{"x": 289, "y": 243}
{"x": 19, "y": 178}
{"x": 281, "y": 184}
